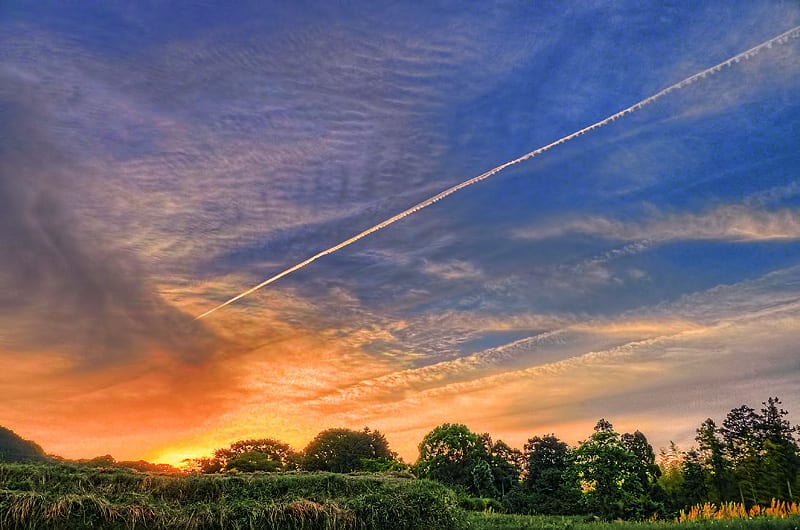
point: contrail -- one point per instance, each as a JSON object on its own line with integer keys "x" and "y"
{"x": 780, "y": 39}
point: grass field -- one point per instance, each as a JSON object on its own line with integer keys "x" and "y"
{"x": 489, "y": 521}
{"x": 50, "y": 496}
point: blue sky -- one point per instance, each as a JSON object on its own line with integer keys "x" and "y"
{"x": 158, "y": 158}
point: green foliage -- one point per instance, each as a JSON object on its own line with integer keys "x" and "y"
{"x": 67, "y": 497}
{"x": 253, "y": 461}
{"x": 345, "y": 451}
{"x": 694, "y": 489}
{"x": 671, "y": 479}
{"x": 648, "y": 472}
{"x": 383, "y": 465}
{"x": 506, "y": 465}
{"x": 418, "y": 504}
{"x": 720, "y": 483}
{"x": 496, "y": 521}
{"x": 546, "y": 488}
{"x": 449, "y": 454}
{"x": 263, "y": 454}
{"x": 609, "y": 475}
{"x": 483, "y": 480}
{"x": 334, "y": 450}
{"x": 780, "y": 451}
{"x": 753, "y": 457}
{"x": 100, "y": 461}
{"x": 478, "y": 504}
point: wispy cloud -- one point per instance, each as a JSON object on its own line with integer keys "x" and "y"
{"x": 453, "y": 270}
{"x": 729, "y": 222}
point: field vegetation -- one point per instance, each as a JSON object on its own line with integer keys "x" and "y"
{"x": 50, "y": 496}
{"x": 744, "y": 472}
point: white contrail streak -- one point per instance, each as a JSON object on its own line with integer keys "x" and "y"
{"x": 780, "y": 39}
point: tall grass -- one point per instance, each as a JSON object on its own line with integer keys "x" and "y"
{"x": 62, "y": 496}
{"x": 734, "y": 510}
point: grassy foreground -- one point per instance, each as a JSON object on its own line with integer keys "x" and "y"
{"x": 490, "y": 521}
{"x": 46, "y": 496}
{"x": 36, "y": 496}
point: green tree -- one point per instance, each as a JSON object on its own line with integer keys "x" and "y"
{"x": 773, "y": 423}
{"x": 744, "y": 432}
{"x": 671, "y": 480}
{"x": 609, "y": 475}
{"x": 655, "y": 498}
{"x": 743, "y": 443}
{"x": 546, "y": 485}
{"x": 637, "y": 444}
{"x": 346, "y": 450}
{"x": 780, "y": 462}
{"x": 449, "y": 453}
{"x": 203, "y": 464}
{"x": 683, "y": 478}
{"x": 262, "y": 454}
{"x": 715, "y": 463}
{"x": 741, "y": 432}
{"x": 505, "y": 463}
{"x": 694, "y": 489}
{"x": 752, "y": 457}
{"x": 253, "y": 461}
{"x": 483, "y": 480}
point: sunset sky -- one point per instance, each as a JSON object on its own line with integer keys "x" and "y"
{"x": 157, "y": 158}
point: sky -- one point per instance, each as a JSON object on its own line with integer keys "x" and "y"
{"x": 157, "y": 158}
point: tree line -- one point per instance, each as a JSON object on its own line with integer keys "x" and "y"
{"x": 752, "y": 457}
{"x": 334, "y": 450}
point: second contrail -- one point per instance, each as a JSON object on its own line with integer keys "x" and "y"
{"x": 779, "y": 39}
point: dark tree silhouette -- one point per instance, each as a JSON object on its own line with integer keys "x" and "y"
{"x": 14, "y": 448}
